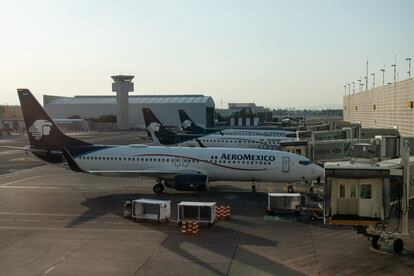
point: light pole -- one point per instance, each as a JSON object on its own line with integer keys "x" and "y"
{"x": 345, "y": 89}
{"x": 366, "y": 78}
{"x": 359, "y": 88}
{"x": 395, "y": 71}
{"x": 353, "y": 87}
{"x": 373, "y": 79}
{"x": 349, "y": 101}
{"x": 395, "y": 83}
{"x": 409, "y": 67}
{"x": 383, "y": 76}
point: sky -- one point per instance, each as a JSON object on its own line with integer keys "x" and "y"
{"x": 274, "y": 53}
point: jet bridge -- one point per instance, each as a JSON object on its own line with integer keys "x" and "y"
{"x": 372, "y": 196}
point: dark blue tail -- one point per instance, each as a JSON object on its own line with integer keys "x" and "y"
{"x": 42, "y": 132}
{"x": 189, "y": 126}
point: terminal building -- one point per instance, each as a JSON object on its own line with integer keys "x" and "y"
{"x": 128, "y": 108}
{"x": 388, "y": 106}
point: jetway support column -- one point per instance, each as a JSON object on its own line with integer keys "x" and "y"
{"x": 405, "y": 159}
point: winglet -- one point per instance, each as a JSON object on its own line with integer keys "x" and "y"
{"x": 71, "y": 162}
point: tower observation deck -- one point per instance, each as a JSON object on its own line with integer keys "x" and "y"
{"x": 122, "y": 85}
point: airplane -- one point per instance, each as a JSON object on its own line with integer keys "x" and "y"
{"x": 189, "y": 126}
{"x": 180, "y": 168}
{"x": 162, "y": 136}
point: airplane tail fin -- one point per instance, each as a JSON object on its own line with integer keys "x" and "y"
{"x": 41, "y": 130}
{"x": 188, "y": 124}
{"x": 158, "y": 132}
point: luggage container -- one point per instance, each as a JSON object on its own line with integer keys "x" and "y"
{"x": 283, "y": 202}
{"x": 200, "y": 211}
{"x": 150, "y": 209}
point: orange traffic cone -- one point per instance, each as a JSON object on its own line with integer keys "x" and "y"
{"x": 194, "y": 229}
{"x": 183, "y": 227}
{"x": 219, "y": 214}
{"x": 228, "y": 214}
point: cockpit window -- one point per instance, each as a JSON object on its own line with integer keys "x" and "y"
{"x": 305, "y": 162}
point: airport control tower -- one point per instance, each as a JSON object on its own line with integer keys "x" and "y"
{"x": 122, "y": 85}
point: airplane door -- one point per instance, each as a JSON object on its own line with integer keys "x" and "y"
{"x": 286, "y": 164}
{"x": 177, "y": 162}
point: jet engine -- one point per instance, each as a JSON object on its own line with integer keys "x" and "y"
{"x": 188, "y": 182}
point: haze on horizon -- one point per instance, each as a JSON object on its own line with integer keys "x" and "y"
{"x": 273, "y": 53}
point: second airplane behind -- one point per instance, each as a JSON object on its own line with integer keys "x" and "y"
{"x": 163, "y": 136}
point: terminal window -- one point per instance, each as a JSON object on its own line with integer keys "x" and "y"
{"x": 353, "y": 191}
{"x": 365, "y": 191}
{"x": 341, "y": 191}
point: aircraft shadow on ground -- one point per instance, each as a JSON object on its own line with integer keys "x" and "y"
{"x": 247, "y": 204}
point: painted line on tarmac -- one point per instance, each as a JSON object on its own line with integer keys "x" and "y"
{"x": 88, "y": 229}
{"x": 33, "y": 177}
{"x": 57, "y": 214}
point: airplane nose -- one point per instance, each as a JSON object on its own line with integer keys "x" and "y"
{"x": 317, "y": 171}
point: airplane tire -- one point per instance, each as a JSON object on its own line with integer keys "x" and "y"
{"x": 374, "y": 242}
{"x": 158, "y": 188}
{"x": 290, "y": 189}
{"x": 398, "y": 246}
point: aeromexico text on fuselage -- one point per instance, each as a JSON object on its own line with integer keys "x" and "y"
{"x": 250, "y": 157}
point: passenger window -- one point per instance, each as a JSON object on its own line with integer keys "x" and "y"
{"x": 366, "y": 190}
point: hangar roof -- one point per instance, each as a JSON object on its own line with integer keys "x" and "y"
{"x": 133, "y": 99}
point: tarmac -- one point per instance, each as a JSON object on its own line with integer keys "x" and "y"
{"x": 57, "y": 222}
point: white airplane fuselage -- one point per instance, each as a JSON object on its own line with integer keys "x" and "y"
{"x": 219, "y": 164}
{"x": 236, "y": 141}
{"x": 257, "y": 132}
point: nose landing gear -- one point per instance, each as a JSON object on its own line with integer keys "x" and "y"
{"x": 159, "y": 186}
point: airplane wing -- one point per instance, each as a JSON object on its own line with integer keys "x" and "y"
{"x": 149, "y": 173}
{"x": 23, "y": 148}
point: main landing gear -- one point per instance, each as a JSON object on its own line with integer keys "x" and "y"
{"x": 159, "y": 187}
